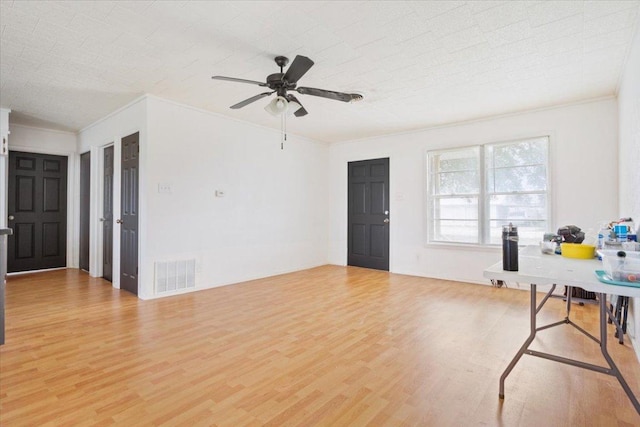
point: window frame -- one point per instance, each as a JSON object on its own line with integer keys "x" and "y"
{"x": 484, "y": 203}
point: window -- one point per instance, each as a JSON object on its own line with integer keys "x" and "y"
{"x": 474, "y": 191}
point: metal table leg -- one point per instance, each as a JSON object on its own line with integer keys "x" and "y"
{"x": 603, "y": 347}
{"x": 612, "y": 369}
{"x": 525, "y": 346}
{"x": 624, "y": 316}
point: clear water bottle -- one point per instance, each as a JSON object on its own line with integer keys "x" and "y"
{"x": 603, "y": 237}
{"x": 510, "y": 247}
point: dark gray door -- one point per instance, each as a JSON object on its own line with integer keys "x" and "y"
{"x": 368, "y": 217}
{"x": 85, "y": 203}
{"x": 129, "y": 214}
{"x": 37, "y": 211}
{"x": 107, "y": 216}
{"x": 4, "y": 232}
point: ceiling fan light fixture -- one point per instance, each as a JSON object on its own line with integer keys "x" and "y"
{"x": 277, "y": 106}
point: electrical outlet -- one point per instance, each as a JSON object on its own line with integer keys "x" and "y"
{"x": 164, "y": 188}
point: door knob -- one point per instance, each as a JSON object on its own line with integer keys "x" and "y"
{"x": 119, "y": 221}
{"x": 101, "y": 219}
{"x": 386, "y": 221}
{"x": 11, "y": 217}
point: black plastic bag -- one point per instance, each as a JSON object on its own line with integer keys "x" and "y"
{"x": 571, "y": 234}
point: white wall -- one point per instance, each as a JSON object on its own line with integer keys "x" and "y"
{"x": 110, "y": 130}
{"x": 629, "y": 156}
{"x": 39, "y": 140}
{"x": 272, "y": 218}
{"x": 583, "y": 178}
{"x": 46, "y": 141}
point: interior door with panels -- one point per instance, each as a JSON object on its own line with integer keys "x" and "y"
{"x": 85, "y": 208}
{"x": 368, "y": 214}
{"x": 37, "y": 205}
{"x": 128, "y": 220}
{"x": 107, "y": 215}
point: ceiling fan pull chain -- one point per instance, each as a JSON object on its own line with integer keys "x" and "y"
{"x": 284, "y": 130}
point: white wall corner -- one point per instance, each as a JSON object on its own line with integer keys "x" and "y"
{"x": 629, "y": 158}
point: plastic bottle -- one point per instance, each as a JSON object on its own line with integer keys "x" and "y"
{"x": 603, "y": 236}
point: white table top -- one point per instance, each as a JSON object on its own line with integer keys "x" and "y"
{"x": 542, "y": 269}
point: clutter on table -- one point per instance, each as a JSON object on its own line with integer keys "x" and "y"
{"x": 616, "y": 245}
{"x": 621, "y": 266}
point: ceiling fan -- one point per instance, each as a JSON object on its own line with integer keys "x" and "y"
{"x": 281, "y": 83}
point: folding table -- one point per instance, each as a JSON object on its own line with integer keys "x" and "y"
{"x": 536, "y": 269}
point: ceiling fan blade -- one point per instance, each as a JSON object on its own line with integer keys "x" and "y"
{"x": 300, "y": 111}
{"x": 338, "y": 96}
{"x": 233, "y": 79}
{"x": 250, "y": 100}
{"x": 297, "y": 69}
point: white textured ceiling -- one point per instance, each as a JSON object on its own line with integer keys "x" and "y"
{"x": 65, "y": 64}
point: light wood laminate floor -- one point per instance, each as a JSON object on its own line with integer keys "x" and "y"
{"x": 330, "y": 346}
